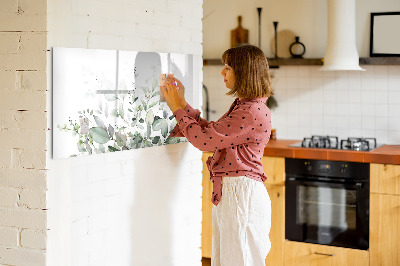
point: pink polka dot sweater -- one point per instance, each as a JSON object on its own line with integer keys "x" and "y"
{"x": 238, "y": 139}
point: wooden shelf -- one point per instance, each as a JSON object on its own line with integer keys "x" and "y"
{"x": 274, "y": 63}
{"x": 380, "y": 61}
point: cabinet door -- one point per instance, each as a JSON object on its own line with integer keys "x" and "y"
{"x": 384, "y": 229}
{"x": 206, "y": 232}
{"x": 274, "y": 168}
{"x": 277, "y": 233}
{"x": 385, "y": 178}
{"x": 305, "y": 254}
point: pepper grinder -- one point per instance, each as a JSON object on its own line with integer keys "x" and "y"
{"x": 276, "y": 38}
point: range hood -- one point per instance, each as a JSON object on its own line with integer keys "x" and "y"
{"x": 341, "y": 51}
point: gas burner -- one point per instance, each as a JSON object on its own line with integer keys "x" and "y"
{"x": 332, "y": 142}
{"x": 327, "y": 142}
{"x": 358, "y": 144}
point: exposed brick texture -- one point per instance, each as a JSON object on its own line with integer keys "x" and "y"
{"x": 23, "y": 63}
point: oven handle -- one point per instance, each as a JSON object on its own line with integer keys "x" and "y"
{"x": 325, "y": 254}
{"x": 357, "y": 185}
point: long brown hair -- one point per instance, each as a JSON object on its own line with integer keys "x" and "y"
{"x": 250, "y": 66}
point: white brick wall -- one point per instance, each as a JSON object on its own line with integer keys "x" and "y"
{"x": 138, "y": 207}
{"x": 23, "y": 128}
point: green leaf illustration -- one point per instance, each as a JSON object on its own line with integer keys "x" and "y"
{"x": 172, "y": 140}
{"x": 172, "y": 125}
{"x": 144, "y": 105}
{"x": 114, "y": 113}
{"x": 102, "y": 148}
{"x": 161, "y": 124}
{"x": 99, "y": 135}
{"x": 156, "y": 139}
{"x": 112, "y": 149}
{"x": 110, "y": 131}
{"x": 152, "y": 105}
{"x": 80, "y": 148}
{"x": 121, "y": 111}
{"x": 148, "y": 132}
{"x": 149, "y": 117}
{"x": 110, "y": 97}
{"x": 89, "y": 148}
{"x": 99, "y": 122}
{"x": 121, "y": 139}
{"x": 134, "y": 122}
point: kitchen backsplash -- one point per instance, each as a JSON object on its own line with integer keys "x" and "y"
{"x": 314, "y": 102}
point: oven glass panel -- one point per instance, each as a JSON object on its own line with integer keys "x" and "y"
{"x": 326, "y": 207}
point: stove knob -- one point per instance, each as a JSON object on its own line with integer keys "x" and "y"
{"x": 308, "y": 166}
{"x": 343, "y": 168}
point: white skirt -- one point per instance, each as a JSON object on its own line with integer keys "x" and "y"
{"x": 241, "y": 223}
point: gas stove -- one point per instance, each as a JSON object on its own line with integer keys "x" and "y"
{"x": 332, "y": 142}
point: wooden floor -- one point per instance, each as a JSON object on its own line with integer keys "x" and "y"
{"x": 206, "y": 261}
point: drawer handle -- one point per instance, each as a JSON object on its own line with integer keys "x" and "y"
{"x": 325, "y": 254}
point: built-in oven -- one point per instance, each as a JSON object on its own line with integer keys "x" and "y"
{"x": 327, "y": 202}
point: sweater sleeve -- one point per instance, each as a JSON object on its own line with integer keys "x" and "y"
{"x": 193, "y": 113}
{"x": 229, "y": 131}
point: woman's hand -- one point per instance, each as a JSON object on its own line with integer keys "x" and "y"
{"x": 181, "y": 92}
{"x": 172, "y": 95}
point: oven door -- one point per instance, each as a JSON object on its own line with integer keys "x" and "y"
{"x": 327, "y": 213}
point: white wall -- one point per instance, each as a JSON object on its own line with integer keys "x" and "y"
{"x": 311, "y": 102}
{"x": 23, "y": 132}
{"x": 305, "y": 18}
{"x": 138, "y": 207}
{"x": 343, "y": 104}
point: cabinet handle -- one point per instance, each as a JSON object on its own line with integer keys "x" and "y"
{"x": 325, "y": 254}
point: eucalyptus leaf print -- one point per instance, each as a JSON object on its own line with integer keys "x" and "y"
{"x": 99, "y": 122}
{"x": 110, "y": 131}
{"x": 111, "y": 97}
{"x": 121, "y": 139}
{"x": 99, "y": 135}
{"x": 117, "y": 107}
{"x": 129, "y": 126}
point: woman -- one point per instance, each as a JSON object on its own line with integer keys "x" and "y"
{"x": 242, "y": 208}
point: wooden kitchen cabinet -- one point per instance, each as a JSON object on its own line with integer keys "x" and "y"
{"x": 384, "y": 236}
{"x": 274, "y": 168}
{"x": 305, "y": 254}
{"x": 277, "y": 233}
{"x": 206, "y": 225}
{"x": 385, "y": 178}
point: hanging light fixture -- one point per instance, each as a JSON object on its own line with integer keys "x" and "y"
{"x": 341, "y": 51}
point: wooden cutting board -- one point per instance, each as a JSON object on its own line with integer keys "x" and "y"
{"x": 239, "y": 35}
